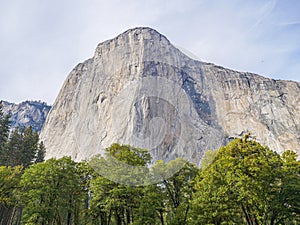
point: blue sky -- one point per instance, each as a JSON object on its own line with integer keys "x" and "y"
{"x": 41, "y": 41}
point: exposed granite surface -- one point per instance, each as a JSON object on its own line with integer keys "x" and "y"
{"x": 139, "y": 89}
{"x": 28, "y": 113}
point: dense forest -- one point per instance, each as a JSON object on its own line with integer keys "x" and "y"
{"x": 241, "y": 183}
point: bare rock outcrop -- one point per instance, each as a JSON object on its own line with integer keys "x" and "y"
{"x": 139, "y": 89}
{"x": 28, "y": 113}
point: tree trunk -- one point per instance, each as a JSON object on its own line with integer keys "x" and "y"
{"x": 161, "y": 215}
{"x": 248, "y": 219}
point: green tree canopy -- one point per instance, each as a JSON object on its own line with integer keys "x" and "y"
{"x": 52, "y": 192}
{"x": 244, "y": 185}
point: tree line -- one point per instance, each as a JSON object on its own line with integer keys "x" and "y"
{"x": 241, "y": 183}
{"x": 19, "y": 148}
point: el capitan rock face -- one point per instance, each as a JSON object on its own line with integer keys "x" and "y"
{"x": 139, "y": 89}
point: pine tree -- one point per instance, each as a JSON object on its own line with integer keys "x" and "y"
{"x": 4, "y": 133}
{"x": 13, "y": 152}
{"x": 40, "y": 157}
{"x": 30, "y": 145}
{"x": 22, "y": 147}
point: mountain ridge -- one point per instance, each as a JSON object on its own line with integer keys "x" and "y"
{"x": 27, "y": 113}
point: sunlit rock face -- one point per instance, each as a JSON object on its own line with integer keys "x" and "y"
{"x": 28, "y": 113}
{"x": 139, "y": 89}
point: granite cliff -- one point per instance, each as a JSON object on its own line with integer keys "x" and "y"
{"x": 139, "y": 89}
{"x": 28, "y": 113}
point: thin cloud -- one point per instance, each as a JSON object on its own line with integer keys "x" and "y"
{"x": 291, "y": 23}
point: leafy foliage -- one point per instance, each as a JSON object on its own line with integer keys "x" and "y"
{"x": 247, "y": 184}
{"x": 9, "y": 191}
{"x": 241, "y": 183}
{"x": 52, "y": 192}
